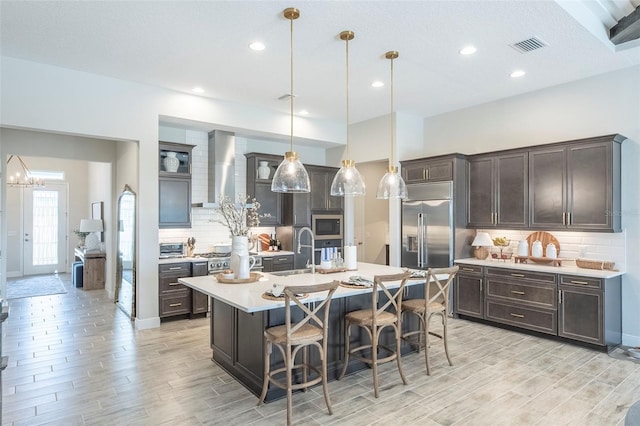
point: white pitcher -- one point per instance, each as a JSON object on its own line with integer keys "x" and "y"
{"x": 523, "y": 248}
{"x": 536, "y": 249}
{"x": 241, "y": 265}
{"x": 552, "y": 253}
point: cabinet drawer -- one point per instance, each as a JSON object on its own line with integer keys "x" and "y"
{"x": 585, "y": 282}
{"x": 470, "y": 269}
{"x": 175, "y": 269}
{"x": 523, "y": 275}
{"x": 170, "y": 285}
{"x": 176, "y": 304}
{"x": 282, "y": 259}
{"x": 543, "y": 296}
{"x": 542, "y": 320}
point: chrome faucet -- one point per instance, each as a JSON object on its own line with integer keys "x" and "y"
{"x": 311, "y": 248}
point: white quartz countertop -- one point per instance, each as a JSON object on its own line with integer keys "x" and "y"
{"x": 267, "y": 253}
{"x": 568, "y": 268}
{"x": 248, "y": 297}
{"x": 181, "y": 260}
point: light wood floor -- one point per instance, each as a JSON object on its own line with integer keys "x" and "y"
{"x": 75, "y": 359}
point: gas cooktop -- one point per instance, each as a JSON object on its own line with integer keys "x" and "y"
{"x": 211, "y": 255}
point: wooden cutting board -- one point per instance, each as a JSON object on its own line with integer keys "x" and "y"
{"x": 545, "y": 238}
{"x": 264, "y": 241}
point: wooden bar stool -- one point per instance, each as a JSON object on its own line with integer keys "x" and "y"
{"x": 290, "y": 337}
{"x": 374, "y": 320}
{"x": 436, "y": 302}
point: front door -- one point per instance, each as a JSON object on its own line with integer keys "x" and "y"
{"x": 45, "y": 229}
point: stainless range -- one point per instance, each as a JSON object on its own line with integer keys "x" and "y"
{"x": 218, "y": 262}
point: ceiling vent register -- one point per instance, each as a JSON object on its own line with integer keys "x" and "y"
{"x": 529, "y": 45}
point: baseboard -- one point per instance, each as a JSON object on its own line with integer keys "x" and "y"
{"x": 143, "y": 324}
{"x": 630, "y": 340}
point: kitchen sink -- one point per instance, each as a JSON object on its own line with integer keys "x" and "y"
{"x": 291, "y": 272}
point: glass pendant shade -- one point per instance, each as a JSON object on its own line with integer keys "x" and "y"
{"x": 290, "y": 176}
{"x": 347, "y": 181}
{"x": 391, "y": 185}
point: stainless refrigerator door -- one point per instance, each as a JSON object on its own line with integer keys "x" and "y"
{"x": 438, "y": 234}
{"x": 410, "y": 238}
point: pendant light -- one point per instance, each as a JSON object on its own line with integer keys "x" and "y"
{"x": 291, "y": 176}
{"x": 348, "y": 180}
{"x": 392, "y": 185}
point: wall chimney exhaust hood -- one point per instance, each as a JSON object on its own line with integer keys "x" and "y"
{"x": 221, "y": 168}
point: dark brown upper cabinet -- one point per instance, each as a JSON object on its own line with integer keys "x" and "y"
{"x": 577, "y": 185}
{"x": 427, "y": 170}
{"x": 259, "y": 186}
{"x": 174, "y": 176}
{"x": 498, "y": 191}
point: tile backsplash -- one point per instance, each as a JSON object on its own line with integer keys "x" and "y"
{"x": 587, "y": 245}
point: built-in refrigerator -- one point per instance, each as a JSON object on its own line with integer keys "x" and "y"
{"x": 427, "y": 226}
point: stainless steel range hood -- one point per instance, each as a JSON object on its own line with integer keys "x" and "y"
{"x": 221, "y": 168}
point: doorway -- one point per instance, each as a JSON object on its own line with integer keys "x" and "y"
{"x": 44, "y": 229}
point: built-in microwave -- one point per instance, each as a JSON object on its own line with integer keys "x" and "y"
{"x": 326, "y": 226}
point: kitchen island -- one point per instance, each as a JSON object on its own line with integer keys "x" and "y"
{"x": 239, "y": 316}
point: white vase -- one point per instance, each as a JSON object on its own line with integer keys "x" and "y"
{"x": 171, "y": 162}
{"x": 264, "y": 170}
{"x": 241, "y": 262}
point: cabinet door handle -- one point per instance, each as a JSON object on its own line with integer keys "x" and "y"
{"x": 496, "y": 218}
{"x": 517, "y": 292}
{"x": 176, "y": 283}
{"x": 468, "y": 269}
{"x": 569, "y": 218}
{"x": 426, "y": 174}
{"x": 517, "y": 275}
{"x": 516, "y": 315}
{"x": 564, "y": 220}
{"x": 173, "y": 305}
{"x": 579, "y": 282}
{"x": 480, "y": 280}
{"x": 175, "y": 268}
{"x": 559, "y": 297}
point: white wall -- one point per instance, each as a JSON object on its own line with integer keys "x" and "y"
{"x": 100, "y": 178}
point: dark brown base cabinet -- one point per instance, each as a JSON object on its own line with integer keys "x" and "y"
{"x": 175, "y": 298}
{"x": 238, "y": 344}
{"x": 572, "y": 307}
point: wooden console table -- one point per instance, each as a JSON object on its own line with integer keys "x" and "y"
{"x": 93, "y": 268}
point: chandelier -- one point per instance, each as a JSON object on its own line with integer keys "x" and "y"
{"x": 24, "y": 179}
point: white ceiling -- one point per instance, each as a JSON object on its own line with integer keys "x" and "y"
{"x": 181, "y": 44}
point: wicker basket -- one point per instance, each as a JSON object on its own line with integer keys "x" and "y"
{"x": 594, "y": 264}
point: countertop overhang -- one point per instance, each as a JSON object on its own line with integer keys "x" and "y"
{"x": 565, "y": 270}
{"x": 248, "y": 297}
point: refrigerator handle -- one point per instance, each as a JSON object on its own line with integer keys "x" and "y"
{"x": 420, "y": 239}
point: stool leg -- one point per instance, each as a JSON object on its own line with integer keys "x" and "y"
{"x": 305, "y": 369}
{"x": 398, "y": 353}
{"x": 427, "y": 317}
{"x": 267, "y": 364}
{"x": 289, "y": 364}
{"x": 444, "y": 336}
{"x": 346, "y": 350}
{"x": 374, "y": 360}
{"x": 325, "y": 388}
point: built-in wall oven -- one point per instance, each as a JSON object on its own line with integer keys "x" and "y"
{"x": 326, "y": 226}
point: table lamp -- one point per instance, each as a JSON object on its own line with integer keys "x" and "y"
{"x": 480, "y": 242}
{"x": 91, "y": 226}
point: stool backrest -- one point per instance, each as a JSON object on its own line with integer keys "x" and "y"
{"x": 310, "y": 313}
{"x": 437, "y": 290}
{"x": 394, "y": 296}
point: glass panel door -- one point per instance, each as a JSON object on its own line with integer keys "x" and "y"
{"x": 45, "y": 229}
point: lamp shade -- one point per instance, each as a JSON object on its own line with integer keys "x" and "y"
{"x": 348, "y": 180}
{"x": 391, "y": 185}
{"x": 91, "y": 225}
{"x": 482, "y": 239}
{"x": 290, "y": 176}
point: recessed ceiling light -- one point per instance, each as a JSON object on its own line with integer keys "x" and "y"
{"x": 467, "y": 50}
{"x": 517, "y": 73}
{"x": 197, "y": 89}
{"x": 304, "y": 112}
{"x": 377, "y": 84}
{"x": 257, "y": 45}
